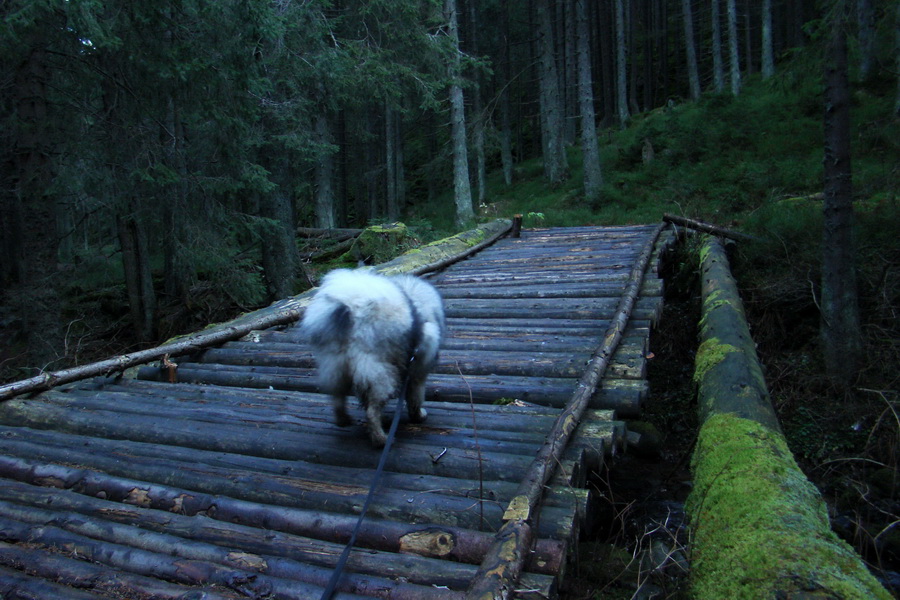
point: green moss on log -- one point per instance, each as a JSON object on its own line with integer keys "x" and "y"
{"x": 442, "y": 249}
{"x": 760, "y": 529}
{"x": 379, "y": 243}
{"x": 710, "y": 353}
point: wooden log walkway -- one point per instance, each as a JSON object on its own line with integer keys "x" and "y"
{"x": 233, "y": 482}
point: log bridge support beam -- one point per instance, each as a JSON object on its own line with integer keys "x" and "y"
{"x": 759, "y": 527}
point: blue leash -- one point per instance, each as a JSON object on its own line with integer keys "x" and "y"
{"x": 342, "y": 561}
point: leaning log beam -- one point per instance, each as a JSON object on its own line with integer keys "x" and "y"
{"x": 708, "y": 228}
{"x": 752, "y": 510}
{"x": 118, "y": 364}
{"x": 502, "y": 566}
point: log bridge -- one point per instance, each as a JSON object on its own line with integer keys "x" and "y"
{"x": 224, "y": 477}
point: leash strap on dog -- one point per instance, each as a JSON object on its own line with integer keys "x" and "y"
{"x": 342, "y": 561}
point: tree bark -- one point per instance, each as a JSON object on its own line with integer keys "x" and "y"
{"x": 691, "y": 49}
{"x": 138, "y": 277}
{"x": 593, "y": 175}
{"x": 551, "y": 101}
{"x": 897, "y": 63}
{"x": 279, "y": 248}
{"x": 324, "y": 172}
{"x": 621, "y": 71}
{"x": 718, "y": 66}
{"x": 768, "y": 54}
{"x": 841, "y": 337}
{"x": 733, "y": 48}
{"x": 865, "y": 19}
{"x": 178, "y": 269}
{"x": 390, "y": 163}
{"x": 462, "y": 189}
{"x": 479, "y": 117}
{"x": 33, "y": 241}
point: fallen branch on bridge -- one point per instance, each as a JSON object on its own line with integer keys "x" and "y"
{"x": 503, "y": 563}
{"x": 418, "y": 262}
{"x": 117, "y": 364}
{"x": 759, "y": 527}
{"x": 708, "y": 228}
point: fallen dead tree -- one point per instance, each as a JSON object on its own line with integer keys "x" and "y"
{"x": 759, "y": 527}
{"x": 707, "y": 228}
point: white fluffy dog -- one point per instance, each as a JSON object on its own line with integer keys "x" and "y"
{"x": 364, "y": 329}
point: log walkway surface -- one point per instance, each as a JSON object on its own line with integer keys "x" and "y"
{"x": 233, "y": 482}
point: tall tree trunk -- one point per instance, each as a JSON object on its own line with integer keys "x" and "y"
{"x": 897, "y": 63}
{"x": 279, "y": 247}
{"x": 691, "y": 49}
{"x": 841, "y": 338}
{"x": 35, "y": 289}
{"x": 631, "y": 40}
{"x": 748, "y": 36}
{"x": 390, "y": 163}
{"x": 373, "y": 204}
{"x": 478, "y": 120}
{"x": 341, "y": 193}
{"x": 506, "y": 155}
{"x": 768, "y": 54}
{"x": 565, "y": 35}
{"x": 462, "y": 190}
{"x": 593, "y": 176}
{"x": 865, "y": 18}
{"x": 718, "y": 66}
{"x": 551, "y": 106}
{"x": 324, "y": 173}
{"x": 608, "y": 61}
{"x": 175, "y": 211}
{"x": 138, "y": 277}
{"x": 733, "y": 46}
{"x": 621, "y": 72}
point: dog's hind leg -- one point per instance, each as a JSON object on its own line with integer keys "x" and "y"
{"x": 341, "y": 417}
{"x": 376, "y": 428}
{"x": 415, "y": 396}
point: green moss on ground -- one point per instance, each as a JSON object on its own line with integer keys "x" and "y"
{"x": 759, "y": 528}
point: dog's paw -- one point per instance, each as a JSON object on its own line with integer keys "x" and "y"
{"x": 378, "y": 438}
{"x": 418, "y": 417}
{"x": 342, "y": 418}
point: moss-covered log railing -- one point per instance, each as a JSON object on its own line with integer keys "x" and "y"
{"x": 759, "y": 527}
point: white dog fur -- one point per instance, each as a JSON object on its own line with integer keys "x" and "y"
{"x": 363, "y": 327}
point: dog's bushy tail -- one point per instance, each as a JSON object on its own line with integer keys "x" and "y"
{"x": 331, "y": 326}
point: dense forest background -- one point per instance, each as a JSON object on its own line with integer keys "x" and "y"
{"x": 158, "y": 157}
